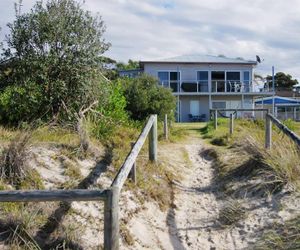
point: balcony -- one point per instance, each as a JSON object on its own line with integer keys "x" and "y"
{"x": 215, "y": 87}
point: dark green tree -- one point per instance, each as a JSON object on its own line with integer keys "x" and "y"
{"x": 55, "y": 51}
{"x": 144, "y": 97}
{"x": 282, "y": 80}
{"x": 126, "y": 66}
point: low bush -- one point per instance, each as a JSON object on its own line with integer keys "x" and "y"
{"x": 145, "y": 97}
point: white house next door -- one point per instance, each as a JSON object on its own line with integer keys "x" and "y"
{"x": 194, "y": 107}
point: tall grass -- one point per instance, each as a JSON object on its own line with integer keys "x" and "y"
{"x": 280, "y": 165}
{"x": 281, "y": 236}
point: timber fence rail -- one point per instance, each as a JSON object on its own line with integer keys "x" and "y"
{"x": 269, "y": 120}
{"x": 110, "y": 196}
{"x": 214, "y": 113}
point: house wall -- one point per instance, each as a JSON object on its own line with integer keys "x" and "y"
{"x": 235, "y": 102}
{"x": 185, "y": 106}
{"x": 189, "y": 71}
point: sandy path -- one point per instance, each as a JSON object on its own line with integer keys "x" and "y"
{"x": 197, "y": 206}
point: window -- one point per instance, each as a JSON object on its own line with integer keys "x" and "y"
{"x": 174, "y": 76}
{"x": 219, "y": 105}
{"x": 169, "y": 79}
{"x": 233, "y": 76}
{"x": 164, "y": 78}
{"x": 247, "y": 81}
{"x": 246, "y": 76}
{"x": 202, "y": 78}
{"x": 217, "y": 81}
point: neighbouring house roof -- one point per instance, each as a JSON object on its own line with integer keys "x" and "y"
{"x": 278, "y": 100}
{"x": 207, "y": 59}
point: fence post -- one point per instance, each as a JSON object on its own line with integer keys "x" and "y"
{"x": 111, "y": 220}
{"x": 153, "y": 141}
{"x": 268, "y": 132}
{"x": 231, "y": 124}
{"x": 215, "y": 119}
{"x": 166, "y": 127}
{"x": 132, "y": 173}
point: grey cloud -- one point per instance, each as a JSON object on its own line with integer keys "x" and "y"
{"x": 151, "y": 29}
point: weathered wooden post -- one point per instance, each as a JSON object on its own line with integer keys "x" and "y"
{"x": 153, "y": 141}
{"x": 166, "y": 127}
{"x": 231, "y": 124}
{"x": 111, "y": 219}
{"x": 215, "y": 119}
{"x": 268, "y": 132}
{"x": 132, "y": 173}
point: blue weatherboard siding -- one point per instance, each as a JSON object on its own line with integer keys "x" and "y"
{"x": 277, "y": 101}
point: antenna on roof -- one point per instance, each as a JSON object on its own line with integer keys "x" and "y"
{"x": 258, "y": 59}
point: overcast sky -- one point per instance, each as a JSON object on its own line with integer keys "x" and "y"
{"x": 153, "y": 29}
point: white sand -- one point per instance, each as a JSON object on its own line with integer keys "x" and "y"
{"x": 190, "y": 223}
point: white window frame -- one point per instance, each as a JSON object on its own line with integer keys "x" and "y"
{"x": 169, "y": 72}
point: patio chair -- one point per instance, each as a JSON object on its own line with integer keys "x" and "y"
{"x": 192, "y": 118}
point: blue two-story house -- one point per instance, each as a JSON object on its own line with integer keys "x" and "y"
{"x": 204, "y": 82}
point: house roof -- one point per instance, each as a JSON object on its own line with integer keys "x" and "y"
{"x": 202, "y": 59}
{"x": 278, "y": 100}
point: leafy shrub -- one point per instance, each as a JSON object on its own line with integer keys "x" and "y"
{"x": 21, "y": 103}
{"x": 144, "y": 97}
{"x": 110, "y": 114}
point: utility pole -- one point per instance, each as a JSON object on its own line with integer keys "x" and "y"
{"x": 273, "y": 89}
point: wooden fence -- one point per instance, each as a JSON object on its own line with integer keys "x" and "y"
{"x": 270, "y": 119}
{"x": 110, "y": 196}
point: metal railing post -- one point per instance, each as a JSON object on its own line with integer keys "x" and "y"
{"x": 268, "y": 132}
{"x": 153, "y": 141}
{"x": 215, "y": 119}
{"x": 166, "y": 127}
{"x": 111, "y": 220}
{"x": 231, "y": 124}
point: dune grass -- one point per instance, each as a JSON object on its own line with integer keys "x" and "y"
{"x": 281, "y": 236}
{"x": 280, "y": 165}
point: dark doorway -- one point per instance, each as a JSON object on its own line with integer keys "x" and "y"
{"x": 218, "y": 81}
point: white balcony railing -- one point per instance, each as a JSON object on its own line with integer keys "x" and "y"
{"x": 215, "y": 87}
{"x": 231, "y": 86}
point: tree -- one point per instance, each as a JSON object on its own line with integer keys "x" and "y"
{"x": 144, "y": 97}
{"x": 126, "y": 66}
{"x": 282, "y": 80}
{"x": 55, "y": 51}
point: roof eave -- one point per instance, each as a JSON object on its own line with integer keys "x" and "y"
{"x": 172, "y": 62}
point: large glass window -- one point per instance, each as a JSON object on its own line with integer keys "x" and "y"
{"x": 163, "y": 77}
{"x": 218, "y": 81}
{"x": 202, "y": 78}
{"x": 233, "y": 83}
{"x": 247, "y": 81}
{"x": 169, "y": 79}
{"x": 174, "y": 76}
{"x": 246, "y": 76}
{"x": 233, "y": 76}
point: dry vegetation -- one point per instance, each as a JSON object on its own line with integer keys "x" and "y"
{"x": 22, "y": 221}
{"x": 245, "y": 169}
